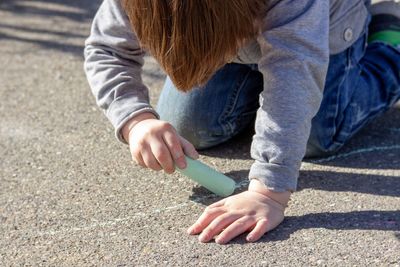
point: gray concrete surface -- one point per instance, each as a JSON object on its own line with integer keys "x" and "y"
{"x": 70, "y": 196}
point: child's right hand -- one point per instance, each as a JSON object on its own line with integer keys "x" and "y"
{"x": 257, "y": 211}
{"x": 155, "y": 144}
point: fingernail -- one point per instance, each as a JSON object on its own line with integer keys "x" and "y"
{"x": 181, "y": 164}
{"x": 219, "y": 241}
{"x": 193, "y": 155}
{"x": 190, "y": 230}
{"x": 202, "y": 238}
{"x": 250, "y": 238}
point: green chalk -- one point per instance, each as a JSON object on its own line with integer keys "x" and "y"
{"x": 214, "y": 181}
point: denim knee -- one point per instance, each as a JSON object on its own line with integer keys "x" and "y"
{"x": 202, "y": 133}
{"x": 212, "y": 114}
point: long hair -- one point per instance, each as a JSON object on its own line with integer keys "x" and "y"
{"x": 192, "y": 39}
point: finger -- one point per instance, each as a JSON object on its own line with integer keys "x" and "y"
{"x": 204, "y": 220}
{"x": 188, "y": 148}
{"x": 217, "y": 225}
{"x": 137, "y": 157}
{"x": 149, "y": 160}
{"x": 162, "y": 155}
{"x": 259, "y": 230}
{"x": 238, "y": 227}
{"x": 218, "y": 203}
{"x": 196, "y": 227}
{"x": 172, "y": 141}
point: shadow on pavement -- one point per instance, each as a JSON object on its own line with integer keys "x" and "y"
{"x": 355, "y": 220}
{"x": 236, "y": 148}
{"x": 41, "y": 31}
{"x": 375, "y": 147}
{"x": 348, "y": 182}
{"x": 45, "y": 14}
{"x": 78, "y": 10}
{"x": 70, "y": 48}
{"x": 380, "y": 135}
{"x": 328, "y": 181}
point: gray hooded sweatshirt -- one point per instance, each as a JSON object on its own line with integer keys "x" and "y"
{"x": 292, "y": 53}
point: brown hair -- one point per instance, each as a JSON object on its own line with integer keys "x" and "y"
{"x": 192, "y": 39}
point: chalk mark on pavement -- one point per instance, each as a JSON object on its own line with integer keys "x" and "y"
{"x": 356, "y": 152}
{"x": 239, "y": 185}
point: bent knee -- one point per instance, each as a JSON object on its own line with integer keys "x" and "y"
{"x": 201, "y": 132}
{"x": 200, "y": 135}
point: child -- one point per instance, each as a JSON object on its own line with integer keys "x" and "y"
{"x": 301, "y": 68}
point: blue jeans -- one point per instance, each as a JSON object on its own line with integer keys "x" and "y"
{"x": 362, "y": 83}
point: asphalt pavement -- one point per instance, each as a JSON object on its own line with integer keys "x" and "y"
{"x": 70, "y": 195}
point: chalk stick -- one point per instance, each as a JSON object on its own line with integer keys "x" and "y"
{"x": 214, "y": 181}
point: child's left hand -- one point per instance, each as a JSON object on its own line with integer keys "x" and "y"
{"x": 232, "y": 216}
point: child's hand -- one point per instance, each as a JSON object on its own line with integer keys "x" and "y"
{"x": 250, "y": 211}
{"x": 156, "y": 145}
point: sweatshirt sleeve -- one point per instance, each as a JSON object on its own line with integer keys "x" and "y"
{"x": 113, "y": 66}
{"x": 294, "y": 62}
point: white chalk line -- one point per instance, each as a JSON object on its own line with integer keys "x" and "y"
{"x": 200, "y": 199}
{"x": 116, "y": 221}
{"x": 308, "y": 166}
{"x": 355, "y": 152}
{"x": 113, "y": 222}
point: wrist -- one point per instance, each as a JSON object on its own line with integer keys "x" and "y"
{"x": 130, "y": 124}
{"x": 280, "y": 197}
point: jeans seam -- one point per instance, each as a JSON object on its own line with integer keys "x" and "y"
{"x": 338, "y": 143}
{"x": 353, "y": 62}
{"x": 336, "y": 113}
{"x": 336, "y": 137}
{"x": 227, "y": 127}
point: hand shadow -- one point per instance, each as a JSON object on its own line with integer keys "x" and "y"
{"x": 321, "y": 180}
{"x": 355, "y": 220}
{"x": 327, "y": 181}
